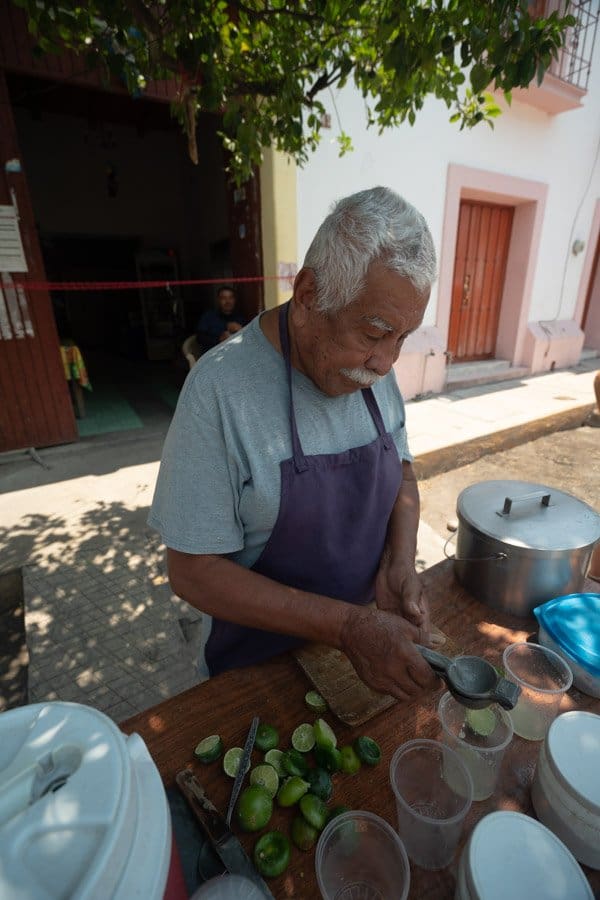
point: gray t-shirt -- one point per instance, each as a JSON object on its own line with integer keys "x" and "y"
{"x": 219, "y": 480}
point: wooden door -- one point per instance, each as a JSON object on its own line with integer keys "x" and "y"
{"x": 35, "y": 404}
{"x": 593, "y": 287}
{"x": 482, "y": 244}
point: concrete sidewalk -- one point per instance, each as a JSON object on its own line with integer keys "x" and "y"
{"x": 102, "y": 625}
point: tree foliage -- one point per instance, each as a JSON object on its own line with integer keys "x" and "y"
{"x": 265, "y": 65}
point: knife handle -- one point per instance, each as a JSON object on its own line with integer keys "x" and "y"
{"x": 204, "y": 812}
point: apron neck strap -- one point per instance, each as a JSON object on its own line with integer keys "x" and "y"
{"x": 368, "y": 396}
{"x": 300, "y": 463}
{"x": 372, "y": 406}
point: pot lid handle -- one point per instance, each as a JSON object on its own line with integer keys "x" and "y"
{"x": 508, "y": 502}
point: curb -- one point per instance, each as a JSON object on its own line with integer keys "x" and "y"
{"x": 445, "y": 459}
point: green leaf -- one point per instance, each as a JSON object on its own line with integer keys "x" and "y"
{"x": 480, "y": 77}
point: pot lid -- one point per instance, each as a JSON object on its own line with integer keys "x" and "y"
{"x": 513, "y": 855}
{"x": 573, "y": 622}
{"x": 530, "y": 516}
{"x": 573, "y": 747}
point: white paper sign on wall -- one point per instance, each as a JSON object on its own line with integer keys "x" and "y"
{"x": 12, "y": 256}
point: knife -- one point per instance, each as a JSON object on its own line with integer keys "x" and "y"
{"x": 241, "y": 772}
{"x": 225, "y": 843}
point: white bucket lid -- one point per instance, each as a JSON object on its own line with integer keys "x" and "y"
{"x": 512, "y": 855}
{"x": 83, "y": 811}
{"x": 573, "y": 749}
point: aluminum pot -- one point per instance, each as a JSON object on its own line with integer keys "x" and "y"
{"x": 520, "y": 544}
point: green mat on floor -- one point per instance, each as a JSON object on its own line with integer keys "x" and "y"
{"x": 106, "y": 410}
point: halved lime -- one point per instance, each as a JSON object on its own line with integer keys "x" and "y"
{"x": 324, "y": 734}
{"x": 275, "y": 758}
{"x": 303, "y": 738}
{"x": 291, "y": 790}
{"x": 481, "y": 721}
{"x": 328, "y": 758}
{"x": 320, "y": 783}
{"x": 267, "y": 777}
{"x": 367, "y": 750}
{"x": 232, "y": 760}
{"x": 209, "y": 748}
{"x": 304, "y": 835}
{"x": 267, "y": 737}
{"x": 294, "y": 763}
{"x": 314, "y": 811}
{"x": 315, "y": 702}
{"x": 350, "y": 761}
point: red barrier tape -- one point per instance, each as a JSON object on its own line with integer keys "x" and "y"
{"x": 135, "y": 285}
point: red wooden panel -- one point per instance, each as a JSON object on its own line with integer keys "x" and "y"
{"x": 35, "y": 404}
{"x": 482, "y": 244}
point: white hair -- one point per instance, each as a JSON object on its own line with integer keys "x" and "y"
{"x": 371, "y": 225}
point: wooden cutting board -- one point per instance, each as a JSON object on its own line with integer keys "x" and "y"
{"x": 334, "y": 677}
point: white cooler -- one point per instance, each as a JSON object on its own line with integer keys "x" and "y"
{"x": 83, "y": 812}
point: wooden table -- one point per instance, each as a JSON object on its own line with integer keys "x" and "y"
{"x": 275, "y": 691}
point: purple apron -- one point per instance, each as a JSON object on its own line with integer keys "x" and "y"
{"x": 329, "y": 534}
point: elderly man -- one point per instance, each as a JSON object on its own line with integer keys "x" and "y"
{"x": 286, "y": 496}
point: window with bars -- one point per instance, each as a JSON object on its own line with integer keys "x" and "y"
{"x": 575, "y": 57}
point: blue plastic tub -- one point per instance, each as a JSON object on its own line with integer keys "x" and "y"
{"x": 570, "y": 625}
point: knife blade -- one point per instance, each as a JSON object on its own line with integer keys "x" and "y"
{"x": 241, "y": 772}
{"x": 217, "y": 830}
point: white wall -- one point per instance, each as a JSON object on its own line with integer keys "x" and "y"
{"x": 559, "y": 150}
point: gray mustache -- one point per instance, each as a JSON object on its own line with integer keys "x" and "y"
{"x": 361, "y": 376}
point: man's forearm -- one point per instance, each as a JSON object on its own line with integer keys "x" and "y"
{"x": 226, "y": 590}
{"x": 401, "y": 540}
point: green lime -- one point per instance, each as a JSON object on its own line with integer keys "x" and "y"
{"x": 328, "y": 758}
{"x": 315, "y": 702}
{"x": 482, "y": 722}
{"x": 254, "y": 809}
{"x": 275, "y": 758}
{"x": 367, "y": 750}
{"x": 320, "y": 783}
{"x": 350, "y": 761}
{"x": 303, "y": 738}
{"x": 291, "y": 790}
{"x": 337, "y": 811}
{"x": 232, "y": 760}
{"x": 272, "y": 854}
{"x": 304, "y": 835}
{"x": 314, "y": 811}
{"x": 294, "y": 762}
{"x": 267, "y": 777}
{"x": 209, "y": 749}
{"x": 267, "y": 737}
{"x": 324, "y": 735}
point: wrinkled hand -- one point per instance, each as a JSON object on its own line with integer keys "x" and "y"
{"x": 398, "y": 589}
{"x": 380, "y": 646}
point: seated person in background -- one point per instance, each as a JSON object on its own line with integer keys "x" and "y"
{"x": 216, "y": 325}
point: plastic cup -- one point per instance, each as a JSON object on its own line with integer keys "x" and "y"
{"x": 433, "y": 791}
{"x": 543, "y": 677}
{"x": 360, "y": 855}
{"x": 481, "y": 753}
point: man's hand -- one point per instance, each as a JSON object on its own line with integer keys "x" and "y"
{"x": 398, "y": 589}
{"x": 380, "y": 646}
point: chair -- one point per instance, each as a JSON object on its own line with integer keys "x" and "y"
{"x": 191, "y": 350}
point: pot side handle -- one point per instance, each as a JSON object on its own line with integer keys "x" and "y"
{"x": 456, "y": 558}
